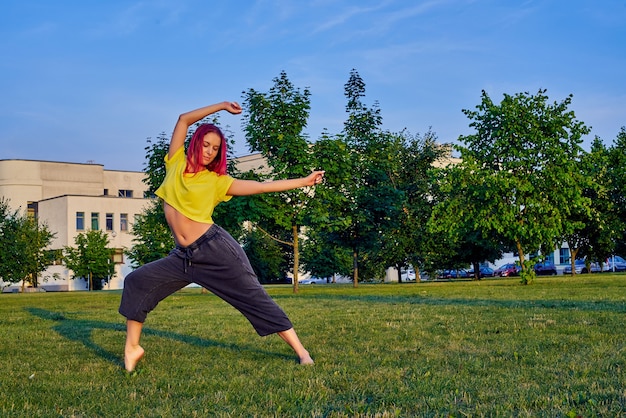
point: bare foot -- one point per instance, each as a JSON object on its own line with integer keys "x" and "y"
{"x": 132, "y": 355}
{"x": 306, "y": 359}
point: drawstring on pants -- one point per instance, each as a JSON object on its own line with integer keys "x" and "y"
{"x": 187, "y": 252}
{"x": 187, "y": 257}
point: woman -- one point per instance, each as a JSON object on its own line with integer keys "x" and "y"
{"x": 205, "y": 254}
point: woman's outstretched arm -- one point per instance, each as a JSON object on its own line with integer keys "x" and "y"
{"x": 250, "y": 187}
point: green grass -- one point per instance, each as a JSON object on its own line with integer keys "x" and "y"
{"x": 489, "y": 348}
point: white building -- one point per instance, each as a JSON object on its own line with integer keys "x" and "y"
{"x": 72, "y": 198}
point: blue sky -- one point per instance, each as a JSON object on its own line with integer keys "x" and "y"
{"x": 91, "y": 80}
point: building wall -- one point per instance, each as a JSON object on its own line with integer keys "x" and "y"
{"x": 114, "y": 181}
{"x": 60, "y": 190}
{"x": 60, "y": 215}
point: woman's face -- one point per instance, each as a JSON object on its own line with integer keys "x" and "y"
{"x": 210, "y": 147}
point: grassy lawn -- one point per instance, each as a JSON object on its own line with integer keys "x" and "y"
{"x": 555, "y": 348}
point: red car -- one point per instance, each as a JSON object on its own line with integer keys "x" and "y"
{"x": 507, "y": 270}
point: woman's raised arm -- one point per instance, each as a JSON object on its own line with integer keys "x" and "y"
{"x": 187, "y": 119}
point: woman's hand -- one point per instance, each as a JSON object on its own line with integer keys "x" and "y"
{"x": 314, "y": 178}
{"x": 232, "y": 107}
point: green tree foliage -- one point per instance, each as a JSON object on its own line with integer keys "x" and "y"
{"x": 589, "y": 228}
{"x": 518, "y": 178}
{"x": 377, "y": 198}
{"x": 154, "y": 164}
{"x": 266, "y": 256}
{"x": 152, "y": 239}
{"x": 408, "y": 241}
{"x": 23, "y": 241}
{"x": 327, "y": 245}
{"x": 90, "y": 259}
{"x": 362, "y": 134}
{"x": 322, "y": 257}
{"x": 274, "y": 124}
{"x": 463, "y": 242}
{"x": 524, "y": 184}
{"x": 616, "y": 180}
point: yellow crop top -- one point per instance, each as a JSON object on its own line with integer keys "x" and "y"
{"x": 193, "y": 195}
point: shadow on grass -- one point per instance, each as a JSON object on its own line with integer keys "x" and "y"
{"x": 80, "y": 330}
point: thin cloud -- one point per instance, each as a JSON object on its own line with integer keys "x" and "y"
{"x": 135, "y": 17}
{"x": 347, "y": 15}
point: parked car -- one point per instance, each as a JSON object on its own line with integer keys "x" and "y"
{"x": 408, "y": 275}
{"x": 619, "y": 262}
{"x": 312, "y": 280}
{"x": 453, "y": 274}
{"x": 483, "y": 272}
{"x": 581, "y": 268}
{"x": 506, "y": 270}
{"x": 545, "y": 269}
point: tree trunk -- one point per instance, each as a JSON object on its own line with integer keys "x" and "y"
{"x": 355, "y": 265}
{"x": 573, "y": 253}
{"x": 296, "y": 258}
{"x": 520, "y": 251}
{"x": 476, "y": 271}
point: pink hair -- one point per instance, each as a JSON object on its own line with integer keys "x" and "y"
{"x": 194, "y": 153}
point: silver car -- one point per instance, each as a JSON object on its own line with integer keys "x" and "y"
{"x": 581, "y": 268}
{"x": 614, "y": 261}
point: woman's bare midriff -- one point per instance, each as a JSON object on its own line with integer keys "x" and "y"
{"x": 185, "y": 230}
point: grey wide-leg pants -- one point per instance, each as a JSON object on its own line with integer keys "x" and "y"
{"x": 216, "y": 262}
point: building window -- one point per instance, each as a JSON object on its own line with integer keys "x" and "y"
{"x": 117, "y": 256}
{"x": 80, "y": 221}
{"x": 32, "y": 210}
{"x": 124, "y": 222}
{"x": 564, "y": 257}
{"x": 125, "y": 193}
{"x": 53, "y": 257}
{"x": 109, "y": 222}
{"x": 95, "y": 221}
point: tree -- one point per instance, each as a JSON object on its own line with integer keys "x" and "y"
{"x": 377, "y": 189}
{"x": 616, "y": 181}
{"x": 274, "y": 124}
{"x": 266, "y": 256}
{"x": 460, "y": 240}
{"x": 413, "y": 175}
{"x": 354, "y": 211}
{"x": 326, "y": 250}
{"x": 587, "y": 228}
{"x": 151, "y": 235}
{"x": 518, "y": 172}
{"x": 152, "y": 239}
{"x": 90, "y": 260}
{"x": 23, "y": 241}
